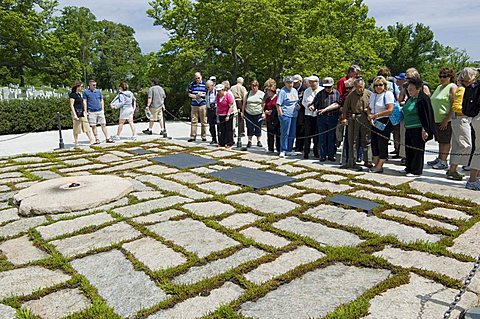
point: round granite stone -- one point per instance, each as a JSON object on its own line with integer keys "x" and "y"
{"x": 68, "y": 194}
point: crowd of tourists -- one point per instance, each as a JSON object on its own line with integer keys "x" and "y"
{"x": 310, "y": 115}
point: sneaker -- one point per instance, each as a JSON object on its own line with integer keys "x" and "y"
{"x": 411, "y": 175}
{"x": 282, "y": 154}
{"x": 191, "y": 140}
{"x": 204, "y": 139}
{"x": 147, "y": 132}
{"x": 435, "y": 161}
{"x": 259, "y": 144}
{"x": 473, "y": 185}
{"x": 368, "y": 164}
{"x": 332, "y": 159}
{"x": 116, "y": 138}
{"x": 133, "y": 138}
{"x": 249, "y": 144}
{"x": 291, "y": 154}
{"x": 323, "y": 159}
{"x": 403, "y": 171}
{"x": 440, "y": 165}
{"x": 213, "y": 142}
{"x": 455, "y": 175}
{"x": 110, "y": 140}
{"x": 466, "y": 168}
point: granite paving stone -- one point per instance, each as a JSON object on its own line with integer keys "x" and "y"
{"x": 188, "y": 178}
{"x": 264, "y": 203}
{"x": 121, "y": 154}
{"x": 304, "y": 297}
{"x": 247, "y": 164}
{"x": 333, "y": 178}
{"x": 284, "y": 263}
{"x": 21, "y": 251}
{"x": 396, "y": 200}
{"x": 104, "y": 237}
{"x": 117, "y": 203}
{"x": 290, "y": 168}
{"x": 421, "y": 298}
{"x": 446, "y": 190}
{"x": 219, "y": 266}
{"x": 264, "y": 237}
{"x": 22, "y": 225}
{"x": 13, "y": 180}
{"x": 375, "y": 188}
{"x": 219, "y": 188}
{"x": 77, "y": 162}
{"x": 158, "y": 169}
{"x": 124, "y": 289}
{"x": 200, "y": 306}
{"x": 327, "y": 186}
{"x": 208, "y": 209}
{"x": 126, "y": 166}
{"x": 257, "y": 157}
{"x": 46, "y": 174}
{"x": 311, "y": 198}
{"x": 419, "y": 219}
{"x": 4, "y": 188}
{"x": 202, "y": 170}
{"x": 8, "y": 215}
{"x": 320, "y": 233}
{"x": 10, "y": 175}
{"x": 59, "y": 304}
{"x": 147, "y": 206}
{"x": 194, "y": 236}
{"x": 154, "y": 254}
{"x": 468, "y": 243}
{"x": 24, "y": 281}
{"x": 158, "y": 217}
{"x": 166, "y": 185}
{"x": 82, "y": 168}
{"x": 448, "y": 213}
{"x": 239, "y": 220}
{"x": 425, "y": 199}
{"x": 307, "y": 175}
{"x": 147, "y": 195}
{"x": 221, "y": 154}
{"x": 382, "y": 227}
{"x": 285, "y": 191}
{"x": 385, "y": 178}
{"x": 23, "y": 185}
{"x": 29, "y": 159}
{"x": 7, "y": 312}
{"x": 109, "y": 158}
{"x": 139, "y": 186}
{"x": 69, "y": 226}
{"x": 440, "y": 264}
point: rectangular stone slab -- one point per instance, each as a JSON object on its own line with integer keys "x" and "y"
{"x": 183, "y": 160}
{"x": 365, "y": 205}
{"x": 140, "y": 151}
{"x": 252, "y": 177}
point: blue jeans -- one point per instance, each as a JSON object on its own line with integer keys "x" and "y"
{"x": 287, "y": 132}
{"x": 327, "y": 140}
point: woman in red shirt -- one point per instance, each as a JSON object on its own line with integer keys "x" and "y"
{"x": 225, "y": 108}
{"x": 271, "y": 115}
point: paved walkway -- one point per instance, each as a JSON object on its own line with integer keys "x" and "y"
{"x": 184, "y": 244}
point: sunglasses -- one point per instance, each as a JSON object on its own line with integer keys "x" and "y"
{"x": 378, "y": 85}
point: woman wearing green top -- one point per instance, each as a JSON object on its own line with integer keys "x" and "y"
{"x": 419, "y": 126}
{"x": 442, "y": 100}
{"x": 252, "y": 109}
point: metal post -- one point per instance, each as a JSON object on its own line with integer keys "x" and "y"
{"x": 165, "y": 125}
{"x": 61, "y": 145}
{"x": 239, "y": 137}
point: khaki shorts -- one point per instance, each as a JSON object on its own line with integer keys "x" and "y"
{"x": 80, "y": 125}
{"x": 95, "y": 118}
{"x": 157, "y": 113}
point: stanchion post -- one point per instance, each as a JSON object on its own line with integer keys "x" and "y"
{"x": 164, "y": 124}
{"x": 61, "y": 145}
{"x": 239, "y": 137}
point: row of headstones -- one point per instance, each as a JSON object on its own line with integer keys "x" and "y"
{"x": 14, "y": 93}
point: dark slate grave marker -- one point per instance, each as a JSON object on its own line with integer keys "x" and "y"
{"x": 182, "y": 160}
{"x": 140, "y": 151}
{"x": 354, "y": 202}
{"x": 252, "y": 177}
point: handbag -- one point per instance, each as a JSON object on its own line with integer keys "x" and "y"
{"x": 379, "y": 125}
{"x": 397, "y": 115}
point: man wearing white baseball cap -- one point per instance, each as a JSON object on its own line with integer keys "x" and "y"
{"x": 287, "y": 108}
{"x": 311, "y": 117}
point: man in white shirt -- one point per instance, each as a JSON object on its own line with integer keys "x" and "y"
{"x": 311, "y": 117}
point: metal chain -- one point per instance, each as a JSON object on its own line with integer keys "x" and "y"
{"x": 409, "y": 146}
{"x": 462, "y": 290}
{"x": 261, "y": 128}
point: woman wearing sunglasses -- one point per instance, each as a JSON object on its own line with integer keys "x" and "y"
{"x": 442, "y": 100}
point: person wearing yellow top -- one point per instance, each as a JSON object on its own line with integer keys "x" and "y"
{"x": 461, "y": 134}
{"x": 442, "y": 100}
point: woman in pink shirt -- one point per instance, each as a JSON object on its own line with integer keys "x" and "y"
{"x": 225, "y": 108}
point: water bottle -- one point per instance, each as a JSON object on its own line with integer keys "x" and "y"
{"x": 148, "y": 114}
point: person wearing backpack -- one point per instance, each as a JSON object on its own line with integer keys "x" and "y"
{"x": 471, "y": 108}
{"x": 126, "y": 102}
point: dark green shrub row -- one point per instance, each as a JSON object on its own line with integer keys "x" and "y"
{"x": 21, "y": 116}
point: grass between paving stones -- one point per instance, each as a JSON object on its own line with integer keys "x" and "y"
{"x": 359, "y": 256}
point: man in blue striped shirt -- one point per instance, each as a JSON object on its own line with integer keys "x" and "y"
{"x": 197, "y": 91}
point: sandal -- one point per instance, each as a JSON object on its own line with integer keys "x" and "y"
{"x": 109, "y": 140}
{"x": 97, "y": 141}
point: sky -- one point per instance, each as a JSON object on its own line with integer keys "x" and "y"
{"x": 454, "y": 23}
